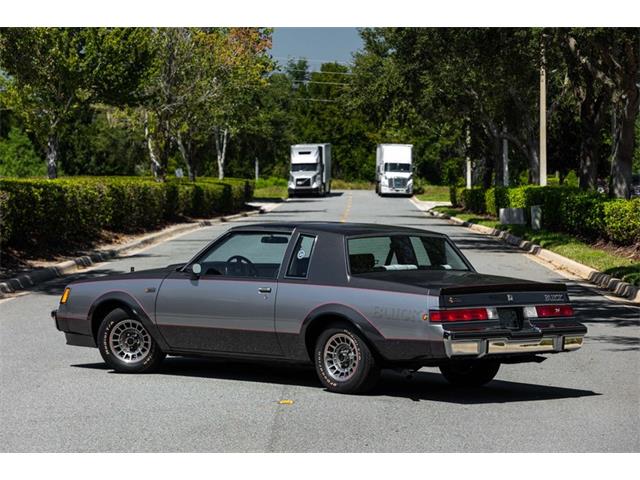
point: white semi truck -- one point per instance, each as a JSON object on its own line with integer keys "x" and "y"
{"x": 310, "y": 170}
{"x": 394, "y": 174}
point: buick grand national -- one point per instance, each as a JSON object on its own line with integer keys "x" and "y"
{"x": 349, "y": 298}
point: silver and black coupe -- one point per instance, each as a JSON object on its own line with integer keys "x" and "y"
{"x": 349, "y": 298}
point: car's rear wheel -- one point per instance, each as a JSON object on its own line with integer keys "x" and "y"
{"x": 470, "y": 373}
{"x": 126, "y": 345}
{"x": 344, "y": 362}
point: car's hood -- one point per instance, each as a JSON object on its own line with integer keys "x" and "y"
{"x": 152, "y": 273}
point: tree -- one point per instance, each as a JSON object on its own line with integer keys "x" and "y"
{"x": 604, "y": 65}
{"x": 239, "y": 67}
{"x": 454, "y": 77}
{"x": 55, "y": 71}
{"x": 18, "y": 157}
{"x": 172, "y": 55}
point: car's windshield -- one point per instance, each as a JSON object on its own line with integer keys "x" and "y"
{"x": 304, "y": 167}
{"x": 397, "y": 167}
{"x": 400, "y": 252}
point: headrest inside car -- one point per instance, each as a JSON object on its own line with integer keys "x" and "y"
{"x": 362, "y": 262}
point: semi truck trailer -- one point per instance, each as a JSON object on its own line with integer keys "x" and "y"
{"x": 394, "y": 174}
{"x": 310, "y": 170}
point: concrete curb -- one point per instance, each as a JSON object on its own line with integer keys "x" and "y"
{"x": 614, "y": 285}
{"x": 40, "y": 275}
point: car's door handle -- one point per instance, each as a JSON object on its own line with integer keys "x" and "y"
{"x": 264, "y": 290}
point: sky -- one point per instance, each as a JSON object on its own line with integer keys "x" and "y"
{"x": 318, "y": 45}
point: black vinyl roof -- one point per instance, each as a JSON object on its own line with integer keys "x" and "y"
{"x": 336, "y": 227}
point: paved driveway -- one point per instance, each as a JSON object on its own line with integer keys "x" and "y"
{"x": 59, "y": 398}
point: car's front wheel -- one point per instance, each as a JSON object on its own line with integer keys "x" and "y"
{"x": 126, "y": 345}
{"x": 344, "y": 362}
{"x": 470, "y": 373}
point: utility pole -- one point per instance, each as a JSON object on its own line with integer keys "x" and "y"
{"x": 468, "y": 158}
{"x": 543, "y": 115}
{"x": 505, "y": 158}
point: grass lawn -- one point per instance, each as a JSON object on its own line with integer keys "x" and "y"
{"x": 563, "y": 244}
{"x": 271, "y": 191}
{"x": 277, "y": 188}
{"x": 434, "y": 193}
{"x": 337, "y": 184}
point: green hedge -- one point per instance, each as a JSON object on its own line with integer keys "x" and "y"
{"x": 472, "y": 199}
{"x": 622, "y": 221}
{"x": 76, "y": 209}
{"x": 564, "y": 209}
{"x": 495, "y": 199}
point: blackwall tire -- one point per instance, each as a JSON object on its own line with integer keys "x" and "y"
{"x": 344, "y": 362}
{"x": 126, "y": 345}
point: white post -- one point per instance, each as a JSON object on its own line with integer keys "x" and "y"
{"x": 543, "y": 117}
{"x": 468, "y": 142}
{"x": 257, "y": 167}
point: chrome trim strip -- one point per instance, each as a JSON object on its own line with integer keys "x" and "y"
{"x": 496, "y": 346}
{"x": 545, "y": 344}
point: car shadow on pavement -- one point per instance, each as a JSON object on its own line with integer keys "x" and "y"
{"x": 297, "y": 212}
{"x": 433, "y": 387}
{"x": 422, "y": 386}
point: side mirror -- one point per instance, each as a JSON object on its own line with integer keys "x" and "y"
{"x": 196, "y": 270}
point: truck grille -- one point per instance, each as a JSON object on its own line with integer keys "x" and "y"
{"x": 397, "y": 183}
{"x": 303, "y": 182}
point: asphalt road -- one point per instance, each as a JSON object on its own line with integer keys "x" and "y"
{"x": 60, "y": 398}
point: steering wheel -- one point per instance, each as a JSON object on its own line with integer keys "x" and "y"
{"x": 240, "y": 260}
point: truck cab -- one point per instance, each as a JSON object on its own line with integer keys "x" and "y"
{"x": 310, "y": 170}
{"x": 394, "y": 169}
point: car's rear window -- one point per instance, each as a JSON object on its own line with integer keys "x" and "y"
{"x": 402, "y": 252}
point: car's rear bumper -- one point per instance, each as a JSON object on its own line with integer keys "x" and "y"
{"x": 561, "y": 337}
{"x": 479, "y": 348}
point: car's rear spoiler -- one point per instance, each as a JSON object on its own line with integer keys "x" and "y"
{"x": 502, "y": 294}
{"x": 504, "y": 288}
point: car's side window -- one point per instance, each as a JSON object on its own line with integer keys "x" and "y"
{"x": 243, "y": 254}
{"x": 299, "y": 264}
{"x": 373, "y": 250}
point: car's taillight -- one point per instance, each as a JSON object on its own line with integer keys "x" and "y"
{"x": 554, "y": 311}
{"x": 462, "y": 314}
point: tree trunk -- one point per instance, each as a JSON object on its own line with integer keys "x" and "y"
{"x": 498, "y": 167}
{"x": 221, "y": 137}
{"x": 52, "y": 156}
{"x": 590, "y": 125}
{"x": 187, "y": 157}
{"x": 621, "y": 168}
{"x": 623, "y": 160}
{"x": 156, "y": 168}
{"x": 165, "y": 149}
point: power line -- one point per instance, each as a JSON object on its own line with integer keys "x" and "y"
{"x": 320, "y": 100}
{"x": 313, "y": 60}
{"x": 314, "y": 71}
{"x": 323, "y": 83}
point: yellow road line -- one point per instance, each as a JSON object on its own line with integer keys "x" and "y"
{"x": 347, "y": 208}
